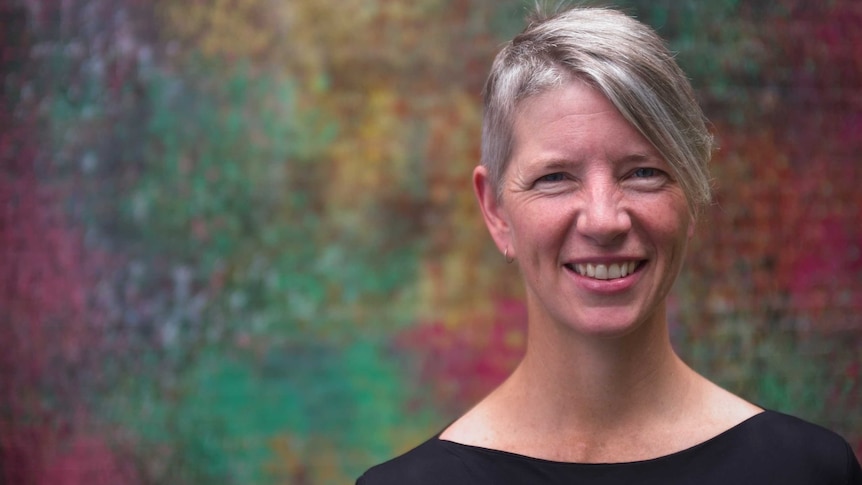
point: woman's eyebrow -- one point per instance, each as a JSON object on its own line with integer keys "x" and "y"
{"x": 557, "y": 163}
{"x": 639, "y": 158}
{"x": 552, "y": 161}
{"x": 546, "y": 164}
{"x": 567, "y": 163}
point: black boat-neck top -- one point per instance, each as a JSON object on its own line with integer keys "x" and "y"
{"x": 768, "y": 448}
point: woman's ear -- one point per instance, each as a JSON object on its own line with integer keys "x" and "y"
{"x": 493, "y": 211}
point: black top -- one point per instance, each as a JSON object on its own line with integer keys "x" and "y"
{"x": 768, "y": 448}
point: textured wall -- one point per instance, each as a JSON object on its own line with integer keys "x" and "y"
{"x": 238, "y": 244}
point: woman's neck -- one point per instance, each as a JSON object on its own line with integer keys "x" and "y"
{"x": 577, "y": 398}
{"x": 588, "y": 381}
{"x": 595, "y": 399}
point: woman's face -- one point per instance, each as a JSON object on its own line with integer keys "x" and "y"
{"x": 591, "y": 213}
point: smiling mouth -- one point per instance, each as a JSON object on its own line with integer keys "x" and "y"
{"x": 605, "y": 271}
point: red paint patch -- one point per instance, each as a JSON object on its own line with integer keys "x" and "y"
{"x": 462, "y": 364}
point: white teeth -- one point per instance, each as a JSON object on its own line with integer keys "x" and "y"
{"x": 606, "y": 272}
{"x": 601, "y": 272}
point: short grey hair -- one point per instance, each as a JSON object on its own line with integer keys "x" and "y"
{"x": 622, "y": 58}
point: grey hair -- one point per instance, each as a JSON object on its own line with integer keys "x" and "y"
{"x": 621, "y": 57}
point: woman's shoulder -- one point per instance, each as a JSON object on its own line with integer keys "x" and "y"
{"x": 428, "y": 463}
{"x": 782, "y": 444}
{"x": 774, "y": 428}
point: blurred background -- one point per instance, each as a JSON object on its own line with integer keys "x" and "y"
{"x": 238, "y": 243}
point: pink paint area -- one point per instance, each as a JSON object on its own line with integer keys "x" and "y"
{"x": 463, "y": 363}
{"x": 825, "y": 275}
{"x": 87, "y": 460}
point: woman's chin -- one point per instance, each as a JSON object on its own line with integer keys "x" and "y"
{"x": 605, "y": 323}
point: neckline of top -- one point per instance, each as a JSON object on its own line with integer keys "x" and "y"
{"x": 710, "y": 441}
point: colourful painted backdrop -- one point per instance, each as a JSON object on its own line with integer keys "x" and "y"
{"x": 238, "y": 244}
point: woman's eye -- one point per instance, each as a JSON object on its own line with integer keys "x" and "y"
{"x": 552, "y": 177}
{"x": 645, "y": 172}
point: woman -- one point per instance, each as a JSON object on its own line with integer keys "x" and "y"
{"x": 594, "y": 170}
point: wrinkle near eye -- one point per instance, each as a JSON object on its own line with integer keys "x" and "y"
{"x": 519, "y": 183}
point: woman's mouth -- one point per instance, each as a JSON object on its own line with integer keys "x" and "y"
{"x": 601, "y": 271}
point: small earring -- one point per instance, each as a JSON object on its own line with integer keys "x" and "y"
{"x": 506, "y": 256}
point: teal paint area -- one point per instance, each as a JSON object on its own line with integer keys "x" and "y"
{"x": 238, "y": 247}
{"x": 259, "y": 420}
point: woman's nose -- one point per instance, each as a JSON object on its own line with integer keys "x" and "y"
{"x": 602, "y": 217}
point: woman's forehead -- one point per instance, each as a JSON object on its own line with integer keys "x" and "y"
{"x": 576, "y": 118}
